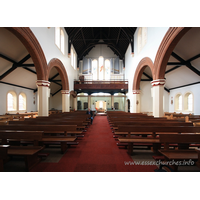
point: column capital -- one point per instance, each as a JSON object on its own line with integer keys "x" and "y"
{"x": 43, "y": 83}
{"x": 65, "y": 91}
{"x": 136, "y": 91}
{"x": 158, "y": 82}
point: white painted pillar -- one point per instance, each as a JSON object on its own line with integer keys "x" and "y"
{"x": 65, "y": 100}
{"x": 89, "y": 101}
{"x": 136, "y": 101}
{"x": 43, "y": 97}
{"x": 75, "y": 103}
{"x": 112, "y": 101}
{"x": 157, "y": 94}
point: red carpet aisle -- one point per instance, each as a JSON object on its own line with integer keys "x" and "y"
{"x": 96, "y": 152}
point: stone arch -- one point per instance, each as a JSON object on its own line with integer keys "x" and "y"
{"x": 26, "y": 36}
{"x": 140, "y": 69}
{"x": 170, "y": 40}
{"x": 61, "y": 70}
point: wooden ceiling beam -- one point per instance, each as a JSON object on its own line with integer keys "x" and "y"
{"x": 118, "y": 36}
{"x": 172, "y": 69}
{"x": 8, "y": 59}
{"x": 83, "y": 36}
{"x": 188, "y": 64}
{"x": 16, "y": 85}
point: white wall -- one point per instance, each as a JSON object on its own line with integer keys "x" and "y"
{"x": 46, "y": 38}
{"x": 154, "y": 38}
{"x": 29, "y": 97}
{"x": 101, "y": 50}
{"x": 56, "y": 101}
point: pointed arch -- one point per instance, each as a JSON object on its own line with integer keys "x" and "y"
{"x": 140, "y": 69}
{"x": 61, "y": 70}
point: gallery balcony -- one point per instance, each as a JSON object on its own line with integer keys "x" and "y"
{"x": 111, "y": 86}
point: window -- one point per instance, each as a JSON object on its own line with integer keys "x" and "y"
{"x": 188, "y": 102}
{"x": 107, "y": 70}
{"x": 94, "y": 69}
{"x": 73, "y": 58}
{"x": 11, "y": 101}
{"x": 178, "y": 102}
{"x": 22, "y": 101}
{"x": 62, "y": 42}
{"x": 60, "y": 39}
{"x": 142, "y": 38}
{"x": 101, "y": 70}
{"x": 57, "y": 36}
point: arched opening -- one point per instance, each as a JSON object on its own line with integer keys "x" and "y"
{"x": 59, "y": 82}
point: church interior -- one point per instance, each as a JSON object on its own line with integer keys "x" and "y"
{"x": 99, "y": 102}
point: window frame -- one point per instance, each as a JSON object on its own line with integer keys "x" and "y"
{"x": 24, "y": 101}
{"x": 60, "y": 39}
{"x": 13, "y": 93}
{"x": 177, "y": 102}
{"x": 73, "y": 57}
{"x": 186, "y": 107}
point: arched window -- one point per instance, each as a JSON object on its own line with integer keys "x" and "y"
{"x": 142, "y": 38}
{"x": 62, "y": 42}
{"x": 60, "y": 39}
{"x": 73, "y": 58}
{"x": 139, "y": 39}
{"x": 94, "y": 69}
{"x": 188, "y": 102}
{"x": 107, "y": 69}
{"x": 11, "y": 101}
{"x": 22, "y": 101}
{"x": 178, "y": 102}
{"x": 57, "y": 36}
{"x": 101, "y": 70}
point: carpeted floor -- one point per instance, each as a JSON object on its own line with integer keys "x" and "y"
{"x": 96, "y": 152}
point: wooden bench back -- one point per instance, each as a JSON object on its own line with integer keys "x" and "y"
{"x": 153, "y": 123}
{"x": 32, "y": 135}
{"x": 173, "y": 129}
{"x": 55, "y": 119}
{"x": 35, "y": 136}
{"x": 180, "y": 138}
{"x": 38, "y": 122}
{"x": 39, "y": 127}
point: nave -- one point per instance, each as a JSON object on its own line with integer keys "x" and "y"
{"x": 97, "y": 151}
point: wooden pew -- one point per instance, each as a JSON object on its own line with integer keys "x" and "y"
{"x": 47, "y": 129}
{"x": 151, "y": 123}
{"x": 79, "y": 124}
{"x": 30, "y": 152}
{"x": 3, "y": 155}
{"x": 198, "y": 162}
{"x": 182, "y": 153}
{"x": 154, "y": 130}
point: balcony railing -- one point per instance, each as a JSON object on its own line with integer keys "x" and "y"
{"x": 109, "y": 85}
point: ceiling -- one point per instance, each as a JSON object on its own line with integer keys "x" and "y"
{"x": 17, "y": 68}
{"x": 84, "y": 39}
